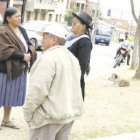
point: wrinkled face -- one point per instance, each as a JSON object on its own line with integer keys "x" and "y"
{"x": 15, "y": 19}
{"x": 77, "y": 27}
{"x": 47, "y": 41}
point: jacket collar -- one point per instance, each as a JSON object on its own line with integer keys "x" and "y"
{"x": 54, "y": 47}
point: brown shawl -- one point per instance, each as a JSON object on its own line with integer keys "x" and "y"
{"x": 9, "y": 42}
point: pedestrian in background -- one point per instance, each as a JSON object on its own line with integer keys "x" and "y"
{"x": 126, "y": 35}
{"x": 15, "y": 53}
{"x": 79, "y": 43}
{"x": 54, "y": 98}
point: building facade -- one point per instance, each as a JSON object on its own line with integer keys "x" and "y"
{"x": 79, "y": 4}
{"x": 50, "y": 10}
{"x": 3, "y": 6}
{"x": 93, "y": 9}
{"x": 20, "y": 4}
{"x": 55, "y": 10}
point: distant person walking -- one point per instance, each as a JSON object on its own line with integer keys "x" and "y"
{"x": 15, "y": 53}
{"x": 79, "y": 43}
{"x": 54, "y": 97}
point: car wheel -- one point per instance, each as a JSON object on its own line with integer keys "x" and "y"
{"x": 96, "y": 42}
{"x": 107, "y": 44}
{"x": 34, "y": 42}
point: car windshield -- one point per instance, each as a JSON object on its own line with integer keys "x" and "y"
{"x": 103, "y": 31}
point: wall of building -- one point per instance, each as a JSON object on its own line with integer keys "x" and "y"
{"x": 46, "y": 10}
{"x": 55, "y": 10}
{"x": 93, "y": 10}
{"x": 3, "y": 6}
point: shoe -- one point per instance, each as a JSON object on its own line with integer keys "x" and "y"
{"x": 9, "y": 124}
{"x": 0, "y": 127}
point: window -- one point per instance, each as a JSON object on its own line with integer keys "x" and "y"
{"x": 28, "y": 16}
{"x": 56, "y": 19}
{"x": 82, "y": 6}
{"x": 60, "y": 18}
{"x": 42, "y": 16}
{"x": 78, "y": 6}
{"x": 50, "y": 17}
{"x": 36, "y": 15}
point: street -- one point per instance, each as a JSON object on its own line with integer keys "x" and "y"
{"x": 102, "y": 60}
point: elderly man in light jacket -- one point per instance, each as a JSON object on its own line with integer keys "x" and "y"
{"x": 54, "y": 98}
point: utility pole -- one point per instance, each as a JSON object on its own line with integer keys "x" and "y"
{"x": 8, "y": 3}
{"x": 95, "y": 22}
{"x": 23, "y": 11}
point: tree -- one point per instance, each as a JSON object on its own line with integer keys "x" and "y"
{"x": 136, "y": 42}
{"x": 69, "y": 16}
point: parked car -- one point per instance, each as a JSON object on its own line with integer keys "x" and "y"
{"x": 35, "y": 28}
{"x": 35, "y": 39}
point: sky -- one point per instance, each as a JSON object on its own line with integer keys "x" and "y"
{"x": 119, "y": 8}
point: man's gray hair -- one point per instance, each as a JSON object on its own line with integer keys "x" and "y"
{"x": 61, "y": 41}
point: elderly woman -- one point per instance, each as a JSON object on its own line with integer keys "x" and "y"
{"x": 15, "y": 54}
{"x": 79, "y": 43}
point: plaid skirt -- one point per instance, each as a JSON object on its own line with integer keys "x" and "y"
{"x": 12, "y": 93}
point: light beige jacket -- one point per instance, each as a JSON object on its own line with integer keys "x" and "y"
{"x": 54, "y": 92}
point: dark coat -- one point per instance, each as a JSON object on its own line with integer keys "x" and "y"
{"x": 82, "y": 50}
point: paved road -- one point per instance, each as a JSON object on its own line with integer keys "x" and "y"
{"x": 102, "y": 61}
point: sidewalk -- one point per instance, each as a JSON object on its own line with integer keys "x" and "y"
{"x": 108, "y": 111}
